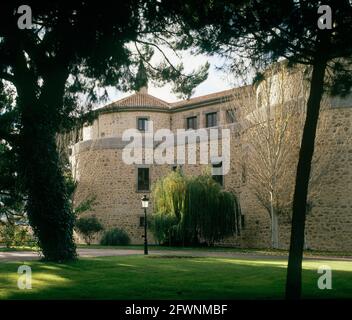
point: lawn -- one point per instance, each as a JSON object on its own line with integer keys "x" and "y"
{"x": 169, "y": 277}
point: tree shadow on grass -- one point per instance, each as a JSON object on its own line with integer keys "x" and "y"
{"x": 158, "y": 277}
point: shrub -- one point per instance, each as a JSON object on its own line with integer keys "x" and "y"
{"x": 88, "y": 227}
{"x": 23, "y": 237}
{"x": 115, "y": 237}
{"x": 15, "y": 235}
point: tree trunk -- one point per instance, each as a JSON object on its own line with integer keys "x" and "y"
{"x": 274, "y": 225}
{"x": 48, "y": 207}
{"x": 294, "y": 269}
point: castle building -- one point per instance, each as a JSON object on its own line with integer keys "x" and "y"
{"x": 101, "y": 172}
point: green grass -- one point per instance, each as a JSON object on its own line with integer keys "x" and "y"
{"x": 18, "y": 248}
{"x": 167, "y": 277}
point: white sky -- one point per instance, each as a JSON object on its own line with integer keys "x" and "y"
{"x": 216, "y": 81}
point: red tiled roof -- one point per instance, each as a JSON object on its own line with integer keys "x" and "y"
{"x": 145, "y": 100}
{"x": 216, "y": 95}
{"x": 139, "y": 100}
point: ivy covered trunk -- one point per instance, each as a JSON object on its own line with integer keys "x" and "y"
{"x": 48, "y": 206}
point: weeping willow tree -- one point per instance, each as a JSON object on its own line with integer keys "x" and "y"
{"x": 191, "y": 210}
{"x": 169, "y": 198}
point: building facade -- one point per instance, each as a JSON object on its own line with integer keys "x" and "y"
{"x": 99, "y": 168}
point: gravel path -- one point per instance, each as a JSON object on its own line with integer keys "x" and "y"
{"x": 89, "y": 253}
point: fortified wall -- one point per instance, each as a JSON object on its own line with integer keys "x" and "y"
{"x": 99, "y": 169}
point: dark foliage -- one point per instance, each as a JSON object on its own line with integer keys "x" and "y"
{"x": 88, "y": 227}
{"x": 115, "y": 237}
{"x": 73, "y": 48}
{"x": 12, "y": 199}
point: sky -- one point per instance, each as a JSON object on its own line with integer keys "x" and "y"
{"x": 217, "y": 80}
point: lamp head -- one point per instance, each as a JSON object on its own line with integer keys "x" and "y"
{"x": 145, "y": 201}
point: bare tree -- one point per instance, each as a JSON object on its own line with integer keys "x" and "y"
{"x": 269, "y": 140}
{"x": 271, "y": 130}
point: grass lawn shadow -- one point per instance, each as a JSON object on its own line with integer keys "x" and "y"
{"x": 160, "y": 277}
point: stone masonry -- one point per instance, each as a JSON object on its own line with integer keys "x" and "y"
{"x": 100, "y": 171}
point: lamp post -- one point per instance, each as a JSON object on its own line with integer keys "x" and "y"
{"x": 145, "y": 203}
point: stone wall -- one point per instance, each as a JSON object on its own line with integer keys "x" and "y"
{"x": 103, "y": 175}
{"x": 100, "y": 172}
{"x": 178, "y": 120}
{"x": 113, "y": 124}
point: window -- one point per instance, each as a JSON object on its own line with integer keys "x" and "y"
{"x": 141, "y": 221}
{"x": 244, "y": 173}
{"x": 217, "y": 173}
{"x": 243, "y": 221}
{"x": 211, "y": 119}
{"x": 231, "y": 116}
{"x": 219, "y": 179}
{"x": 143, "y": 179}
{"x": 142, "y": 124}
{"x": 191, "y": 123}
